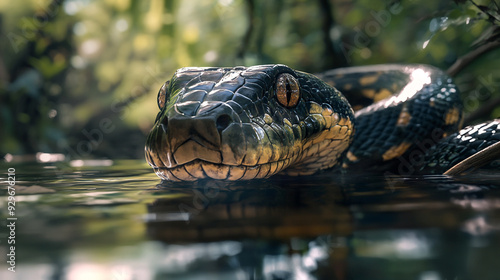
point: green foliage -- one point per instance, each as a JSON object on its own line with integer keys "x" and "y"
{"x": 104, "y": 60}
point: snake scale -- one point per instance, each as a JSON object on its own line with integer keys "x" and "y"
{"x": 253, "y": 122}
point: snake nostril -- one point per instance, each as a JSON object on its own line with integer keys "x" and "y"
{"x": 223, "y": 122}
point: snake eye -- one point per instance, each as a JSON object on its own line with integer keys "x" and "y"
{"x": 287, "y": 90}
{"x": 162, "y": 95}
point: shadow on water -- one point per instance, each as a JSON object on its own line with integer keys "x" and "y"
{"x": 118, "y": 222}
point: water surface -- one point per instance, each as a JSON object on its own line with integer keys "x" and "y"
{"x": 114, "y": 220}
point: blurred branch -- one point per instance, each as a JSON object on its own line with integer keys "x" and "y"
{"x": 467, "y": 59}
{"x": 248, "y": 33}
{"x": 326, "y": 24}
{"x": 261, "y": 32}
{"x": 484, "y": 111}
{"x": 4, "y": 75}
{"x": 489, "y": 40}
{"x": 333, "y": 59}
{"x": 487, "y": 11}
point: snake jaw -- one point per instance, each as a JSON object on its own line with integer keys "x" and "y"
{"x": 255, "y": 157}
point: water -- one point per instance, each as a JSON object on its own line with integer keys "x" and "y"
{"x": 113, "y": 220}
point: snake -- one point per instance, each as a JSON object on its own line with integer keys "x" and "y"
{"x": 242, "y": 123}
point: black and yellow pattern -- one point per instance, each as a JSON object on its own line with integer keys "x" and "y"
{"x": 461, "y": 145}
{"x": 402, "y": 111}
{"x": 253, "y": 122}
{"x": 228, "y": 123}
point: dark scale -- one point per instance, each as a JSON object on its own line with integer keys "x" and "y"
{"x": 252, "y": 122}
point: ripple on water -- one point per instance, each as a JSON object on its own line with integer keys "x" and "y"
{"x": 118, "y": 219}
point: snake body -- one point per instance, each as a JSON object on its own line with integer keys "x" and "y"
{"x": 253, "y": 122}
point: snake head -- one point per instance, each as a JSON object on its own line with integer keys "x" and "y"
{"x": 247, "y": 122}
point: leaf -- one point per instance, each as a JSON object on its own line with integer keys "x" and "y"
{"x": 47, "y": 67}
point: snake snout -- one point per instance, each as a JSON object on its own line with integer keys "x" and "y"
{"x": 194, "y": 138}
